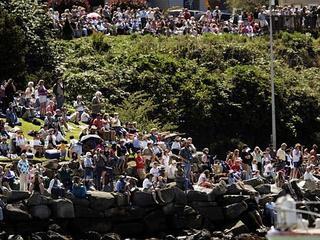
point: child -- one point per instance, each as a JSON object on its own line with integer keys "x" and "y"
{"x": 63, "y": 150}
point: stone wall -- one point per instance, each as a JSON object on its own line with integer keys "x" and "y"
{"x": 223, "y": 208}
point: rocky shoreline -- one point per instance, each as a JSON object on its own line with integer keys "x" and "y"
{"x": 222, "y": 212}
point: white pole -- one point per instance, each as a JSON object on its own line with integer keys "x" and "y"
{"x": 273, "y": 107}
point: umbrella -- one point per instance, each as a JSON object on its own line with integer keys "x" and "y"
{"x": 89, "y": 136}
{"x": 171, "y": 135}
{"x": 93, "y": 15}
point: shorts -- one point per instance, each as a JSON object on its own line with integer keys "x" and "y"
{"x": 296, "y": 164}
{"x": 42, "y": 99}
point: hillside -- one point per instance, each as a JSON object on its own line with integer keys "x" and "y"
{"x": 215, "y": 88}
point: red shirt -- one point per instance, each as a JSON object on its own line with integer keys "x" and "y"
{"x": 98, "y": 123}
{"x": 139, "y": 162}
{"x": 235, "y": 167}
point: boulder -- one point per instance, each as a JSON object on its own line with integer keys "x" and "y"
{"x": 155, "y": 222}
{"x": 16, "y": 196}
{"x": 168, "y": 194}
{"x": 143, "y": 199}
{"x": 235, "y": 210}
{"x": 254, "y": 182}
{"x": 169, "y": 209}
{"x": 62, "y": 208}
{"x": 16, "y": 213}
{"x": 129, "y": 229}
{"x": 179, "y": 196}
{"x": 87, "y": 212}
{"x": 237, "y": 229}
{"x": 212, "y": 213}
{"x": 234, "y": 188}
{"x": 37, "y": 199}
{"x": 101, "y": 200}
{"x": 40, "y": 212}
{"x": 197, "y": 196}
{"x": 263, "y": 188}
{"x": 52, "y": 164}
{"x": 92, "y": 235}
{"x": 231, "y": 199}
{"x": 219, "y": 189}
{"x": 80, "y": 202}
{"x": 121, "y": 200}
{"x": 115, "y": 212}
{"x": 111, "y": 236}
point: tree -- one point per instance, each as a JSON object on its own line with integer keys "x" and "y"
{"x": 248, "y": 5}
{"x": 128, "y": 3}
{"x": 12, "y": 47}
{"x": 28, "y": 28}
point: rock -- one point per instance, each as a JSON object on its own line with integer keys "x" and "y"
{"x": 40, "y": 211}
{"x": 80, "y": 202}
{"x": 308, "y": 185}
{"x": 231, "y": 199}
{"x": 16, "y": 196}
{"x": 254, "y": 182}
{"x": 16, "y": 213}
{"x": 234, "y": 188}
{"x": 169, "y": 209}
{"x": 37, "y": 199}
{"x": 168, "y": 194}
{"x": 170, "y": 237}
{"x": 101, "y": 227}
{"x": 197, "y": 196}
{"x": 263, "y": 188}
{"x": 212, "y": 213}
{"x": 62, "y": 208}
{"x": 219, "y": 189}
{"x": 52, "y": 164}
{"x": 155, "y": 222}
{"x": 87, "y": 212}
{"x": 115, "y": 212}
{"x": 111, "y": 236}
{"x": 196, "y": 205}
{"x": 92, "y": 235}
{"x": 237, "y": 229}
{"x": 130, "y": 228}
{"x": 121, "y": 200}
{"x": 235, "y": 210}
{"x": 101, "y": 200}
{"x": 143, "y": 199}
{"x": 55, "y": 236}
{"x": 248, "y": 236}
{"x": 180, "y": 196}
{"x": 201, "y": 235}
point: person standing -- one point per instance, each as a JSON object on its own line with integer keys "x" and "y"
{"x": 23, "y": 169}
{"x": 96, "y": 104}
{"x": 281, "y": 157}
{"x": 58, "y": 91}
{"x": 42, "y": 95}
{"x": 187, "y": 158}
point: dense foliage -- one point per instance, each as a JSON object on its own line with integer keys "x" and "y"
{"x": 128, "y": 3}
{"x": 26, "y": 46}
{"x": 61, "y": 5}
{"x": 215, "y": 88}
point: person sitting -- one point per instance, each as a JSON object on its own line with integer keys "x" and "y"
{"x": 8, "y": 177}
{"x": 56, "y": 188}
{"x": 308, "y": 176}
{"x": 4, "y": 147}
{"x": 11, "y": 116}
{"x": 148, "y": 186}
{"x": 204, "y": 179}
{"x": 37, "y": 183}
{"x": 78, "y": 189}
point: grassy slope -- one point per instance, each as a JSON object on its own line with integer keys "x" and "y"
{"x": 26, "y": 127}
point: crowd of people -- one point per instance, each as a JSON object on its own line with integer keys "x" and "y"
{"x": 78, "y": 22}
{"x": 109, "y": 155}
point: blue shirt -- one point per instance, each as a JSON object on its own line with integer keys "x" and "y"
{"x": 120, "y": 186}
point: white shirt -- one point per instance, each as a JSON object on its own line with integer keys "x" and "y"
{"x": 176, "y": 145}
{"x": 147, "y": 184}
{"x": 154, "y": 171}
{"x": 171, "y": 173}
{"x": 309, "y": 176}
{"x": 59, "y": 184}
{"x": 85, "y": 117}
{"x": 202, "y": 178}
{"x": 296, "y": 155}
